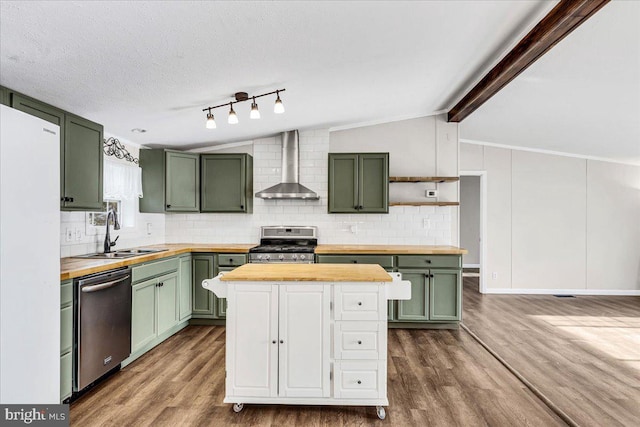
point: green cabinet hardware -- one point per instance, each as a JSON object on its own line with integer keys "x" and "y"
{"x": 154, "y": 309}
{"x": 226, "y": 183}
{"x": 81, "y": 157}
{"x": 358, "y": 182}
{"x": 170, "y": 181}
{"x": 185, "y": 298}
{"x": 66, "y": 339}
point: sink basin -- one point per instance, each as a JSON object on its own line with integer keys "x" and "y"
{"x": 126, "y": 253}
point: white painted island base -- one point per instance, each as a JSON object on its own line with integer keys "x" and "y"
{"x": 307, "y": 342}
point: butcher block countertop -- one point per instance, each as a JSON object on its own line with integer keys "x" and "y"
{"x": 307, "y": 273}
{"x": 389, "y": 250}
{"x": 76, "y": 267}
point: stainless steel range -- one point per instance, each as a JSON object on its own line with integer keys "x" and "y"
{"x": 285, "y": 244}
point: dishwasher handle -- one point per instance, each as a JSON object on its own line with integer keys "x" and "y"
{"x": 95, "y": 288}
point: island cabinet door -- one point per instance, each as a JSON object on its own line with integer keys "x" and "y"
{"x": 252, "y": 340}
{"x": 304, "y": 340}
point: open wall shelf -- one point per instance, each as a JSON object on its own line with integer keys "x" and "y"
{"x": 424, "y": 179}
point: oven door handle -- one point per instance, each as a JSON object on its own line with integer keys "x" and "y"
{"x": 102, "y": 286}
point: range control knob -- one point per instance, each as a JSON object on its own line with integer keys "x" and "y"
{"x": 281, "y": 256}
{"x": 260, "y": 256}
{"x": 294, "y": 256}
{"x": 267, "y": 256}
{"x": 303, "y": 257}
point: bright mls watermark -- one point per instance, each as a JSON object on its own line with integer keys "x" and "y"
{"x": 37, "y": 415}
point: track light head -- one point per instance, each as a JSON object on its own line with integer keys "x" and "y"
{"x": 211, "y": 122}
{"x": 278, "y": 108}
{"x": 233, "y": 118}
{"x": 255, "y": 114}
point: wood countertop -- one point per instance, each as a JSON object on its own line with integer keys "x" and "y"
{"x": 308, "y": 273}
{"x": 76, "y": 267}
{"x": 389, "y": 250}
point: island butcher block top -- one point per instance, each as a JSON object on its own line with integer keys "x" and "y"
{"x": 308, "y": 272}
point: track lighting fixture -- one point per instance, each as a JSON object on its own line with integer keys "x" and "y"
{"x": 211, "y": 122}
{"x": 278, "y": 107}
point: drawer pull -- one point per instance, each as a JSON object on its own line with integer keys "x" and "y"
{"x": 359, "y": 302}
{"x": 273, "y": 342}
{"x": 355, "y": 261}
{"x": 359, "y": 382}
{"x": 428, "y": 261}
{"x": 281, "y": 341}
{"x": 359, "y": 342}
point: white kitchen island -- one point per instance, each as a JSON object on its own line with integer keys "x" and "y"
{"x": 308, "y": 334}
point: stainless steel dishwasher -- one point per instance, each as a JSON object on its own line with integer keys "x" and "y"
{"x": 102, "y": 325}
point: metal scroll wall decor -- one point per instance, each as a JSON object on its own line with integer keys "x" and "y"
{"x": 113, "y": 147}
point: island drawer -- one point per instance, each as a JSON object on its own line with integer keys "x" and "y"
{"x": 360, "y": 379}
{"x": 429, "y": 261}
{"x": 153, "y": 269}
{"x": 386, "y": 261}
{"x": 359, "y": 340}
{"x": 232, "y": 260}
{"x": 360, "y": 302}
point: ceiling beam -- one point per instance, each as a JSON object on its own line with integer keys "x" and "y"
{"x": 565, "y": 17}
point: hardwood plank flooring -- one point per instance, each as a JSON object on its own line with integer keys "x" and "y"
{"x": 435, "y": 378}
{"x": 583, "y": 353}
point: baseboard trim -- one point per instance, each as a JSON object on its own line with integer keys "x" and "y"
{"x": 594, "y": 292}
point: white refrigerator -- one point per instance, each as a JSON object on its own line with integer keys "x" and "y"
{"x": 29, "y": 259}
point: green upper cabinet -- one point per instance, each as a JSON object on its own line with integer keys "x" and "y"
{"x": 227, "y": 183}
{"x": 81, "y": 157}
{"x": 83, "y": 161}
{"x": 4, "y": 96}
{"x": 359, "y": 183}
{"x": 170, "y": 181}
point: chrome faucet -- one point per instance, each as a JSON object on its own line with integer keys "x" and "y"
{"x": 116, "y": 226}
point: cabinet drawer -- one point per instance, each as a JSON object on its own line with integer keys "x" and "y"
{"x": 65, "y": 376}
{"x": 360, "y": 302}
{"x": 66, "y": 293}
{"x": 428, "y": 261}
{"x": 232, "y": 260}
{"x": 360, "y": 340}
{"x": 66, "y": 329}
{"x": 360, "y": 379}
{"x": 154, "y": 269}
{"x": 386, "y": 261}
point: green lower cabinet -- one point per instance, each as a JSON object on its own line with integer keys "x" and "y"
{"x": 4, "y": 96}
{"x": 416, "y": 308}
{"x": 66, "y": 339}
{"x": 143, "y": 314}
{"x": 185, "y": 298}
{"x": 204, "y": 267}
{"x": 445, "y": 302}
{"x": 167, "y": 302}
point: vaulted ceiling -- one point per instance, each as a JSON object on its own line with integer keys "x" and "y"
{"x": 155, "y": 65}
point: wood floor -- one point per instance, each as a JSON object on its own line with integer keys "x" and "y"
{"x": 583, "y": 353}
{"x": 435, "y": 378}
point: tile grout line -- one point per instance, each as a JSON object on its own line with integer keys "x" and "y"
{"x": 559, "y": 412}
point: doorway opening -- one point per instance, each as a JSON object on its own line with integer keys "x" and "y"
{"x": 473, "y": 215}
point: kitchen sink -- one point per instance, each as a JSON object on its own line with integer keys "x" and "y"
{"x": 125, "y": 253}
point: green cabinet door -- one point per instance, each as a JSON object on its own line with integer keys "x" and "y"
{"x": 343, "y": 183}
{"x": 83, "y": 160}
{"x": 417, "y": 308}
{"x": 445, "y": 300}
{"x": 374, "y": 183}
{"x": 143, "y": 314}
{"x": 227, "y": 183}
{"x": 184, "y": 287}
{"x": 4, "y": 96}
{"x": 203, "y": 299}
{"x": 182, "y": 182}
{"x": 358, "y": 183}
{"x": 167, "y": 302}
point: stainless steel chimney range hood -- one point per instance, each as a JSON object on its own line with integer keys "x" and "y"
{"x": 289, "y": 188}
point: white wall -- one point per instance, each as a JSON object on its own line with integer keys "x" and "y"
{"x": 558, "y": 224}
{"x": 129, "y": 236}
{"x": 413, "y": 146}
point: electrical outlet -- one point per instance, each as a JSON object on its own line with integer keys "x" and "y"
{"x": 149, "y": 226}
{"x": 494, "y": 275}
{"x": 78, "y": 234}
{"x": 68, "y": 234}
{"x": 431, "y": 193}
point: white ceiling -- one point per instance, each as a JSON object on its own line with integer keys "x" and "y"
{"x": 581, "y": 97}
{"x": 155, "y": 65}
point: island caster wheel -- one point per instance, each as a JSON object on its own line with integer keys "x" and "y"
{"x": 237, "y": 407}
{"x": 382, "y": 414}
